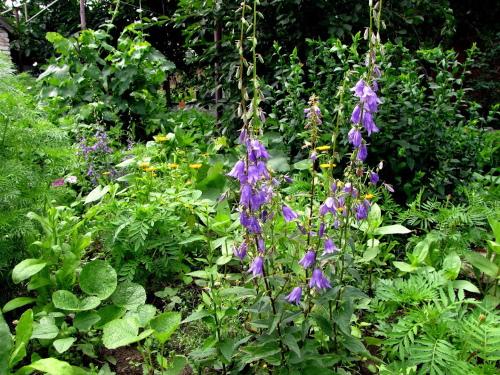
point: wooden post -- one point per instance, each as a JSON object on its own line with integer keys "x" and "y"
{"x": 83, "y": 22}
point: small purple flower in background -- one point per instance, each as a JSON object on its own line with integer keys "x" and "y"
{"x": 288, "y": 213}
{"x": 314, "y": 156}
{"x": 295, "y": 296}
{"x": 58, "y": 182}
{"x": 321, "y": 231}
{"x": 288, "y": 179}
{"x": 374, "y": 178}
{"x": 257, "y": 267}
{"x": 241, "y": 251}
{"x": 318, "y": 280}
{"x": 308, "y": 259}
{"x": 330, "y": 247}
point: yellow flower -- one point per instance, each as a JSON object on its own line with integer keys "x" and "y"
{"x": 160, "y": 138}
{"x": 195, "y": 165}
{"x": 144, "y": 164}
{"x": 173, "y": 165}
{"x": 322, "y": 148}
{"x": 369, "y": 196}
{"x": 328, "y": 165}
{"x": 107, "y": 173}
{"x": 340, "y": 209}
{"x": 150, "y": 169}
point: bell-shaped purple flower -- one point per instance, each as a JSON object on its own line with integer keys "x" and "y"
{"x": 374, "y": 178}
{"x": 362, "y": 152}
{"x": 245, "y": 195}
{"x": 354, "y": 137}
{"x": 321, "y": 231}
{"x": 257, "y": 267}
{"x": 308, "y": 259}
{"x": 288, "y": 213}
{"x": 362, "y": 210}
{"x": 356, "y": 115}
{"x": 238, "y": 171}
{"x": 318, "y": 280}
{"x": 369, "y": 124}
{"x": 256, "y": 150}
{"x": 330, "y": 247}
{"x": 250, "y": 222}
{"x": 261, "y": 246}
{"x": 241, "y": 251}
{"x": 295, "y": 296}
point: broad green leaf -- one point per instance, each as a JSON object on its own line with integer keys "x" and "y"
{"x": 96, "y": 194}
{"x": 129, "y": 295}
{"x": 374, "y": 216}
{"x": 24, "y": 330}
{"x": 52, "y": 366}
{"x": 17, "y": 302}
{"x": 85, "y": 320}
{"x": 197, "y": 315}
{"x": 253, "y": 353}
{"x": 65, "y": 300}
{"x": 122, "y": 332}
{"x": 466, "y": 285}
{"x": 109, "y": 313}
{"x": 223, "y": 259}
{"x": 303, "y": 165}
{"x": 61, "y": 345}
{"x": 291, "y": 342}
{"x": 495, "y": 227}
{"x": 405, "y": 267}
{"x": 226, "y": 348}
{"x": 482, "y": 263}
{"x": 6, "y": 345}
{"x": 421, "y": 251}
{"x": 164, "y": 325}
{"x": 452, "y": 266}
{"x": 238, "y": 291}
{"x": 177, "y": 366}
{"x": 98, "y": 278}
{"x": 391, "y": 229}
{"x": 144, "y": 314}
{"x": 26, "y": 269}
{"x": 45, "y": 329}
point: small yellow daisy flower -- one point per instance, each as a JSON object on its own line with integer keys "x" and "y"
{"x": 369, "y": 196}
{"x": 322, "y": 148}
{"x": 195, "y": 166}
{"x": 150, "y": 169}
{"x": 328, "y": 165}
{"x": 173, "y": 165}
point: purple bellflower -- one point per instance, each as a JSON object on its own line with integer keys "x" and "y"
{"x": 308, "y": 259}
{"x": 257, "y": 267}
{"x": 288, "y": 213}
{"x": 295, "y": 296}
{"x": 318, "y": 280}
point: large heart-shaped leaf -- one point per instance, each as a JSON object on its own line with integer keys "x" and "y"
{"x": 98, "y": 278}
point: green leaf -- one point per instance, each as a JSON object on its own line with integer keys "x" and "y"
{"x": 85, "y": 320}
{"x": 303, "y": 165}
{"x": 405, "y": 267}
{"x": 45, "y": 329}
{"x": 96, "y": 194}
{"x": 62, "y": 345}
{"x": 452, "y": 266}
{"x": 223, "y": 259}
{"x": 226, "y": 348}
{"x": 26, "y": 269}
{"x": 122, "y": 332}
{"x": 374, "y": 216}
{"x": 482, "y": 263}
{"x": 24, "y": 331}
{"x": 197, "y": 315}
{"x": 253, "y": 353}
{"x": 53, "y": 366}
{"x": 178, "y": 365}
{"x": 17, "y": 302}
{"x": 144, "y": 314}
{"x": 291, "y": 342}
{"x": 6, "y": 346}
{"x": 165, "y": 324}
{"x": 466, "y": 285}
{"x": 98, "y": 278}
{"x": 109, "y": 313}
{"x": 65, "y": 300}
{"x": 129, "y": 295}
{"x": 391, "y": 229}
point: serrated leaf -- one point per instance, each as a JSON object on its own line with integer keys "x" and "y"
{"x": 129, "y": 295}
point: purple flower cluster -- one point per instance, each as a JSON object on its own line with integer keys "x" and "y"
{"x": 256, "y": 190}
{"x": 94, "y": 151}
{"x": 362, "y": 115}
